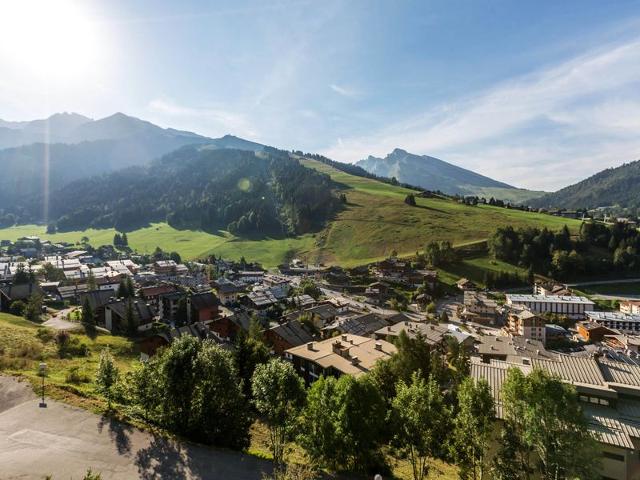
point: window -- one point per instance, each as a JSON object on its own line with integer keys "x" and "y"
{"x": 604, "y": 402}
{"x": 613, "y": 456}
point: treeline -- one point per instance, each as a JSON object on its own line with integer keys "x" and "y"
{"x": 418, "y": 405}
{"x": 598, "y": 249}
{"x": 199, "y": 188}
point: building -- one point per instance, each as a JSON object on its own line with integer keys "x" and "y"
{"x": 631, "y": 307}
{"x": 152, "y": 295}
{"x": 202, "y": 306}
{"x": 465, "y": 284}
{"x": 321, "y": 315}
{"x": 630, "y": 344}
{"x": 343, "y": 355}
{"x": 593, "y": 332}
{"x": 228, "y": 292}
{"x": 623, "y": 322}
{"x": 478, "y": 307}
{"x": 610, "y": 392}
{"x": 511, "y": 349}
{"x": 573, "y": 307}
{"x": 551, "y": 289}
{"x": 363, "y": 325}
{"x": 287, "y": 335}
{"x": 526, "y": 324}
{"x": 115, "y": 315}
{"x": 13, "y": 293}
{"x": 432, "y": 334}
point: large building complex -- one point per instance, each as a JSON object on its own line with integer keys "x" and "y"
{"x": 572, "y": 306}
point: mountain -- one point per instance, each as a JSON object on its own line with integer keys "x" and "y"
{"x": 611, "y": 187}
{"x": 81, "y": 147}
{"x": 244, "y": 192}
{"x": 434, "y": 174}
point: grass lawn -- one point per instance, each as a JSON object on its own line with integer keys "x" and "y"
{"x": 622, "y": 289}
{"x": 375, "y": 222}
{"x": 23, "y": 346}
{"x": 474, "y": 269}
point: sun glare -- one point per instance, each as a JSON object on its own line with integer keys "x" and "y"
{"x": 55, "y": 40}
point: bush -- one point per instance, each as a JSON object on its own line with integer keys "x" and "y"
{"x": 69, "y": 346}
{"x": 75, "y": 376}
{"x": 45, "y": 335}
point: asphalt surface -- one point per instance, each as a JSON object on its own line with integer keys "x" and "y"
{"x": 65, "y": 441}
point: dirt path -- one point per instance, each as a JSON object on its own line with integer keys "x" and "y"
{"x": 58, "y": 321}
{"x": 65, "y": 441}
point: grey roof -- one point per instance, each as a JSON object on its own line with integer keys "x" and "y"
{"x": 612, "y": 317}
{"x": 292, "y": 332}
{"x": 433, "y": 334}
{"x": 361, "y": 325}
{"x": 520, "y": 298}
{"x": 20, "y": 292}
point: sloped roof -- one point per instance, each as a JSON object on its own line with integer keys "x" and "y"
{"x": 292, "y": 332}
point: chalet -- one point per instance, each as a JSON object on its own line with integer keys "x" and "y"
{"x": 72, "y": 293}
{"x": 165, "y": 267}
{"x": 202, "y": 306}
{"x": 343, "y": 355}
{"x": 230, "y": 326}
{"x": 434, "y": 335}
{"x": 362, "y": 325}
{"x": 465, "y": 284}
{"x": 249, "y": 276}
{"x": 478, "y": 307}
{"x": 153, "y": 294}
{"x": 259, "y": 300}
{"x": 629, "y": 344}
{"x": 377, "y": 292}
{"x": 228, "y": 292}
{"x": 511, "y": 349}
{"x": 150, "y": 344}
{"x": 321, "y": 315}
{"x": 551, "y": 289}
{"x": 115, "y": 315}
{"x": 13, "y": 293}
{"x": 168, "y": 305}
{"x": 593, "y": 332}
{"x": 287, "y": 335}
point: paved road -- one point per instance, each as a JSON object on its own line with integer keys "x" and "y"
{"x": 64, "y": 441}
{"x": 59, "y": 322}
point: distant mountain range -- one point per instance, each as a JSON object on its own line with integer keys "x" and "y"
{"x": 613, "y": 187}
{"x": 67, "y": 147}
{"x": 434, "y": 174}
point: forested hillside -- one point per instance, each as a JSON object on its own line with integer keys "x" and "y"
{"x": 611, "y": 187}
{"x": 246, "y": 193}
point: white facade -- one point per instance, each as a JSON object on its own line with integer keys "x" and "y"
{"x": 623, "y": 322}
{"x": 571, "y": 306}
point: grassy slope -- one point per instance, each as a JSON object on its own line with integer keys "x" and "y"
{"x": 375, "y": 222}
{"x": 21, "y": 351}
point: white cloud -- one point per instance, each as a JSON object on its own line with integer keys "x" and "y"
{"x": 345, "y": 91}
{"x": 589, "y": 108}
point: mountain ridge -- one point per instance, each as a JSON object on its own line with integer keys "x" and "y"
{"x": 432, "y": 173}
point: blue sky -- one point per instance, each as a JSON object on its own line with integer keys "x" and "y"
{"x": 538, "y": 94}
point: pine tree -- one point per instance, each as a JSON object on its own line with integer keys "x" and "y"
{"x": 107, "y": 375}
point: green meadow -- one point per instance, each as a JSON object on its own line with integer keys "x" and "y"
{"x": 374, "y": 223}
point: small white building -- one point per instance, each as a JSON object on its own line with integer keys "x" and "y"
{"x": 572, "y": 306}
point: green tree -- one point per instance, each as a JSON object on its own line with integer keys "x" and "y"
{"x": 420, "y": 420}
{"x": 88, "y": 318}
{"x": 23, "y": 276}
{"x": 546, "y": 414}
{"x": 410, "y": 200}
{"x": 507, "y": 464}
{"x": 278, "y": 395}
{"x": 130, "y": 319}
{"x": 201, "y": 393}
{"x": 107, "y": 375}
{"x": 342, "y": 423}
{"x": 91, "y": 282}
{"x": 52, "y": 274}
{"x": 250, "y": 352}
{"x": 472, "y": 428}
{"x": 33, "y": 308}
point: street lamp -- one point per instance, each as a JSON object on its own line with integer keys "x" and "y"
{"x": 42, "y": 371}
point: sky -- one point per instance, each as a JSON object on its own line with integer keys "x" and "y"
{"x": 538, "y": 94}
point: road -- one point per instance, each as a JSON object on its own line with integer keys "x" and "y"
{"x": 65, "y": 441}
{"x": 59, "y": 322}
